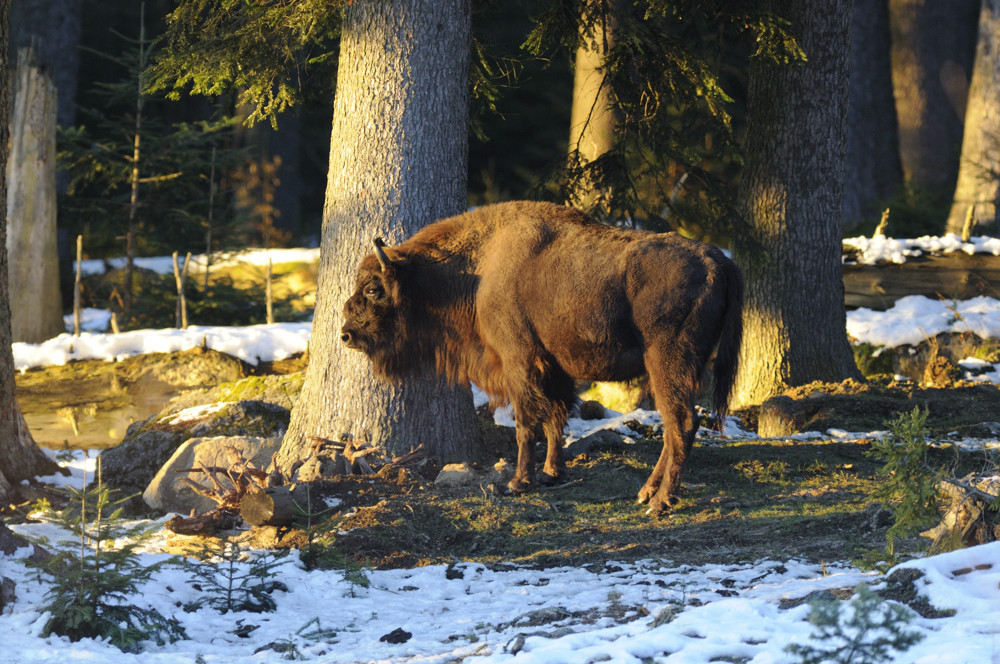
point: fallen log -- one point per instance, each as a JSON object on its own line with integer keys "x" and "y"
{"x": 205, "y": 525}
{"x": 954, "y": 275}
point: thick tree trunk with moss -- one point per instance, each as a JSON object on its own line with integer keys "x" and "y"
{"x": 933, "y": 42}
{"x": 397, "y": 162}
{"x": 32, "y": 253}
{"x": 20, "y": 458}
{"x": 794, "y": 322}
{"x": 979, "y": 168}
{"x": 873, "y": 172}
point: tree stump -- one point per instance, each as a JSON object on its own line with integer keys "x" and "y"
{"x": 277, "y": 506}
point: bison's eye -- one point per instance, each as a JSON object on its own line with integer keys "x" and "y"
{"x": 374, "y": 292}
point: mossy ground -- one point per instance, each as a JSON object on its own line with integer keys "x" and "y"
{"x": 742, "y": 501}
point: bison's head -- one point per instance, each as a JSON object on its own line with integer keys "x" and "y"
{"x": 375, "y": 315}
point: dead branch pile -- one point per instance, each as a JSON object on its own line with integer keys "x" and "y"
{"x": 972, "y": 515}
{"x": 273, "y": 496}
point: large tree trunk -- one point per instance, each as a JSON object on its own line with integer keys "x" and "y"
{"x": 397, "y": 162}
{"x": 32, "y": 252}
{"x": 933, "y": 42}
{"x": 20, "y": 458}
{"x": 791, "y": 198}
{"x": 873, "y": 172}
{"x": 979, "y": 168}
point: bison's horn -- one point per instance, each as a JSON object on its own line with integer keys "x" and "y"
{"x": 383, "y": 260}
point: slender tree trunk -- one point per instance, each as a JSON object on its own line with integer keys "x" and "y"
{"x": 791, "y": 197}
{"x": 20, "y": 458}
{"x": 979, "y": 168}
{"x": 592, "y": 119}
{"x": 874, "y": 172}
{"x": 32, "y": 252}
{"x": 397, "y": 162}
{"x": 933, "y": 42}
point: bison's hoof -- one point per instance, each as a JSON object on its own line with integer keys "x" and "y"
{"x": 658, "y": 505}
{"x": 547, "y": 479}
{"x": 517, "y": 486}
{"x": 646, "y": 494}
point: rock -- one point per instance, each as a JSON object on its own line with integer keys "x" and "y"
{"x": 622, "y": 397}
{"x": 592, "y": 410}
{"x": 603, "y": 438}
{"x": 322, "y": 467}
{"x": 131, "y": 465}
{"x": 10, "y": 542}
{"x": 502, "y": 473}
{"x": 456, "y": 474}
{"x": 398, "y": 635}
{"x": 941, "y": 372}
{"x": 167, "y": 493}
{"x": 197, "y": 367}
{"x": 7, "y": 594}
{"x": 281, "y": 389}
{"x": 781, "y": 416}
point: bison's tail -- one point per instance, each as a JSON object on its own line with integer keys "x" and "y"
{"x": 727, "y": 354}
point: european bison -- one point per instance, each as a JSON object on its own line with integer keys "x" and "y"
{"x": 522, "y": 298}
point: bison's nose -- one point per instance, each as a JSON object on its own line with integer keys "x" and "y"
{"x": 346, "y": 337}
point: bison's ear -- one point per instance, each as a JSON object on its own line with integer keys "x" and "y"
{"x": 383, "y": 259}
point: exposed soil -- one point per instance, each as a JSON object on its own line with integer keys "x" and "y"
{"x": 742, "y": 501}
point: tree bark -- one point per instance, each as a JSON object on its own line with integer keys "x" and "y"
{"x": 592, "y": 118}
{"x": 20, "y": 458}
{"x": 874, "y": 171}
{"x": 32, "y": 251}
{"x": 979, "y": 167}
{"x": 791, "y": 198}
{"x": 933, "y": 42}
{"x": 53, "y": 27}
{"x": 397, "y": 162}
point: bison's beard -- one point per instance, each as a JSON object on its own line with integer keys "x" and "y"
{"x": 396, "y": 367}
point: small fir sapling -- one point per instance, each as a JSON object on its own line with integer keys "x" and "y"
{"x": 865, "y": 633}
{"x": 908, "y": 482}
{"x": 230, "y": 579}
{"x": 97, "y": 576}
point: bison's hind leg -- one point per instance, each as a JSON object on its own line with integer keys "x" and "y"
{"x": 674, "y": 377}
{"x": 560, "y": 391}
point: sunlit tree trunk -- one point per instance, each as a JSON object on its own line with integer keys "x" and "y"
{"x": 397, "y": 162}
{"x": 20, "y": 458}
{"x": 791, "y": 198}
{"x": 933, "y": 42}
{"x": 979, "y": 169}
{"x": 592, "y": 119}
{"x": 873, "y": 172}
{"x": 32, "y": 254}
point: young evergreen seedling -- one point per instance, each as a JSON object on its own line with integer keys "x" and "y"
{"x": 866, "y": 633}
{"x": 908, "y": 482}
{"x": 97, "y": 576}
{"x": 230, "y": 579}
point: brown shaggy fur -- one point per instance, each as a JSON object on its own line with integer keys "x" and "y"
{"x": 524, "y": 298}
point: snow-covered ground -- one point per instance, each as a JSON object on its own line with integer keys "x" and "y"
{"x": 616, "y": 612}
{"x": 505, "y": 613}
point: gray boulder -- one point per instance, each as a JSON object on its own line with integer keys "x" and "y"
{"x": 167, "y": 492}
{"x": 132, "y": 465}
